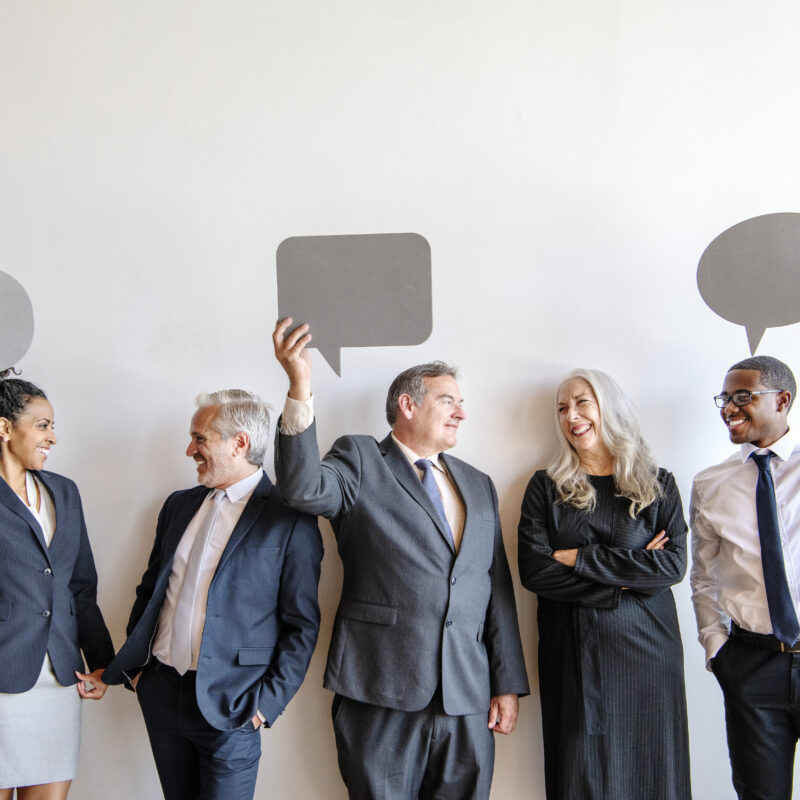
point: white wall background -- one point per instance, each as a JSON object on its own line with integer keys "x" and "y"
{"x": 568, "y": 163}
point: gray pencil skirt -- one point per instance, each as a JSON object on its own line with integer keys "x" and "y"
{"x": 40, "y": 733}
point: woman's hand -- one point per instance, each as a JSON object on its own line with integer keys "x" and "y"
{"x": 91, "y": 686}
{"x": 567, "y": 557}
{"x": 657, "y": 542}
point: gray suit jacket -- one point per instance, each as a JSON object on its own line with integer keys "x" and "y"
{"x": 413, "y": 612}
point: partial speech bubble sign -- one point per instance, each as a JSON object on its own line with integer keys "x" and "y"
{"x": 750, "y": 274}
{"x": 369, "y": 290}
{"x": 16, "y": 321}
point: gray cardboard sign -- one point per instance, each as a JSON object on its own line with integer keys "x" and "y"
{"x": 750, "y": 274}
{"x": 366, "y": 290}
{"x": 16, "y": 321}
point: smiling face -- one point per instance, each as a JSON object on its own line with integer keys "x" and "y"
{"x": 579, "y": 417}
{"x": 763, "y": 420}
{"x": 30, "y": 437}
{"x": 217, "y": 465}
{"x": 432, "y": 426}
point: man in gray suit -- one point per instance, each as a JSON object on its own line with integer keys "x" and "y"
{"x": 425, "y": 658}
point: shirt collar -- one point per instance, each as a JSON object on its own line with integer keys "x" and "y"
{"x": 238, "y": 490}
{"x": 782, "y": 448}
{"x": 413, "y": 457}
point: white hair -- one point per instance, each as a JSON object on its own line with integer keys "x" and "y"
{"x": 635, "y": 469}
{"x": 240, "y": 411}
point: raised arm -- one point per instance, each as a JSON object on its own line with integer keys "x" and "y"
{"x": 325, "y": 489}
{"x": 539, "y": 570}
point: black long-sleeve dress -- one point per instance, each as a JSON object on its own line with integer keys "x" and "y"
{"x": 610, "y": 660}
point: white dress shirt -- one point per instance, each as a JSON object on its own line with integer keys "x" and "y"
{"x": 727, "y": 576}
{"x": 237, "y": 496}
{"x": 299, "y": 414}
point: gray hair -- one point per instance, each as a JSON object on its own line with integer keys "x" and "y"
{"x": 240, "y": 411}
{"x": 412, "y": 382}
{"x": 635, "y": 469}
{"x": 774, "y": 374}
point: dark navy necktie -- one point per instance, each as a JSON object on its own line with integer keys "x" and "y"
{"x": 779, "y": 600}
{"x": 432, "y": 490}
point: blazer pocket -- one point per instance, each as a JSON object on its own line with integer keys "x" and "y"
{"x": 255, "y": 656}
{"x": 260, "y": 550}
{"x": 480, "y": 632}
{"x": 368, "y": 612}
{"x": 5, "y": 610}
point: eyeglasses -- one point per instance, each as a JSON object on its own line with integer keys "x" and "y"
{"x": 741, "y": 398}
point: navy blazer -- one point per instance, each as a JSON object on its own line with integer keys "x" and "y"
{"x": 48, "y": 596}
{"x": 414, "y": 615}
{"x": 262, "y": 616}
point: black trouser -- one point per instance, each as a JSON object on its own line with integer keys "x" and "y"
{"x": 762, "y": 714}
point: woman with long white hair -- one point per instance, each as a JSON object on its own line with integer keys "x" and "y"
{"x": 601, "y": 539}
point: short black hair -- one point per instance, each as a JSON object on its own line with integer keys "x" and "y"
{"x": 774, "y": 373}
{"x": 15, "y": 394}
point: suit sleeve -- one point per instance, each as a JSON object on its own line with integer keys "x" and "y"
{"x": 328, "y": 488}
{"x": 93, "y": 636}
{"x": 501, "y": 627}
{"x": 641, "y": 570}
{"x": 299, "y": 612}
{"x": 539, "y": 571}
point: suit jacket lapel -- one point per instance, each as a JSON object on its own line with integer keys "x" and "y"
{"x": 409, "y": 480}
{"x": 464, "y": 483}
{"x": 174, "y": 534}
{"x": 255, "y": 505}
{"x": 9, "y": 499}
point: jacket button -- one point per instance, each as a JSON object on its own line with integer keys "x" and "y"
{"x": 45, "y": 613}
{"x": 453, "y": 581}
{"x": 47, "y": 571}
{"x": 448, "y": 623}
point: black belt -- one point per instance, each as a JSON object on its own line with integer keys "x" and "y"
{"x": 763, "y": 641}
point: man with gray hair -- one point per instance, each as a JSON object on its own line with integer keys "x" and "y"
{"x": 425, "y": 659}
{"x": 745, "y": 519}
{"x": 226, "y": 615}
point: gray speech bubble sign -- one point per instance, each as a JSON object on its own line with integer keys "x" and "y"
{"x": 368, "y": 290}
{"x": 750, "y": 274}
{"x": 16, "y": 321}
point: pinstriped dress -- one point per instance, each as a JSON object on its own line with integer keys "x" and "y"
{"x": 610, "y": 660}
{"x": 40, "y": 730}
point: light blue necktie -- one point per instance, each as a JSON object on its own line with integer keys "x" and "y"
{"x": 432, "y": 490}
{"x": 779, "y": 600}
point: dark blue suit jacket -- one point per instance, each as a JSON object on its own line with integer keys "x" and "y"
{"x": 48, "y": 596}
{"x": 262, "y": 616}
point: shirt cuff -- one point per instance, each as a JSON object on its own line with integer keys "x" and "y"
{"x": 261, "y": 717}
{"x": 297, "y": 416}
{"x": 713, "y": 645}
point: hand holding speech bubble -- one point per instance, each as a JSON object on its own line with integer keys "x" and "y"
{"x": 16, "y": 321}
{"x": 368, "y": 290}
{"x": 750, "y": 274}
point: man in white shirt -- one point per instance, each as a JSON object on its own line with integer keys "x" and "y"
{"x": 745, "y": 520}
{"x": 226, "y": 616}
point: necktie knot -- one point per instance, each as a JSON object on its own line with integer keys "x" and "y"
{"x": 762, "y": 459}
{"x": 424, "y": 464}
